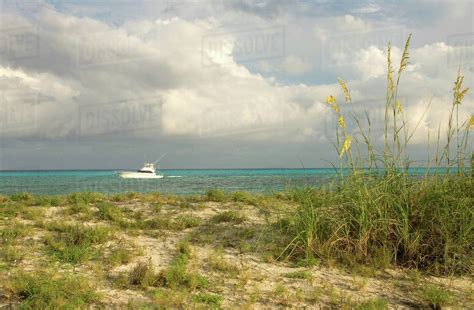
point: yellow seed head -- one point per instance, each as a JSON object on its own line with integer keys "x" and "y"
{"x": 399, "y": 106}
{"x": 405, "y": 56}
{"x": 458, "y": 92}
{"x": 347, "y": 95}
{"x": 391, "y": 85}
{"x": 471, "y": 122}
{"x": 341, "y": 121}
{"x": 331, "y": 100}
{"x": 346, "y": 146}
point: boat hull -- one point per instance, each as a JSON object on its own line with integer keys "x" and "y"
{"x": 138, "y": 175}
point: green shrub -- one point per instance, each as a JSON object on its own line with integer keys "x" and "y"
{"x": 44, "y": 290}
{"x": 119, "y": 197}
{"x": 143, "y": 275}
{"x": 22, "y": 197}
{"x": 75, "y": 243}
{"x": 56, "y": 200}
{"x": 212, "y": 301}
{"x": 244, "y": 197}
{"x": 78, "y": 208}
{"x": 133, "y": 195}
{"x": 215, "y": 195}
{"x": 85, "y": 197}
{"x": 33, "y": 213}
{"x": 436, "y": 297}
{"x": 12, "y": 253}
{"x": 373, "y": 304}
{"x": 176, "y": 275}
{"x": 13, "y": 231}
{"x": 217, "y": 262}
{"x": 156, "y": 207}
{"x": 229, "y": 217}
{"x": 185, "y": 221}
{"x": 170, "y": 299}
{"x": 109, "y": 212}
{"x": 11, "y": 209}
{"x": 47, "y": 201}
{"x": 299, "y": 275}
{"x": 44, "y": 201}
{"x": 119, "y": 255}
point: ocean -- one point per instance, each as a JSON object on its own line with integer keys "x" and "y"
{"x": 180, "y": 182}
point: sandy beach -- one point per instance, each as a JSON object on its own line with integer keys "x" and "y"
{"x": 152, "y": 251}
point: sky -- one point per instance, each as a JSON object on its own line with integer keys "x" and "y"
{"x": 218, "y": 83}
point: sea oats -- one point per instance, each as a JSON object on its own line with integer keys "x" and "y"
{"x": 399, "y": 106}
{"x": 346, "y": 146}
{"x": 347, "y": 95}
{"x": 405, "y": 56}
{"x": 331, "y": 100}
{"x": 341, "y": 121}
{"x": 458, "y": 92}
{"x": 390, "y": 85}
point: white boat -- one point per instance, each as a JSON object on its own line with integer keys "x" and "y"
{"x": 148, "y": 171}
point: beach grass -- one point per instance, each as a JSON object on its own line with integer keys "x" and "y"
{"x": 376, "y": 212}
{"x": 48, "y": 290}
{"x": 422, "y": 224}
{"x": 75, "y": 243}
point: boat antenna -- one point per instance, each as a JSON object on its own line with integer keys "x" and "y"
{"x": 159, "y": 159}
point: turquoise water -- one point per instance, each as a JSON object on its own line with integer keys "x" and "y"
{"x": 181, "y": 182}
{"x": 174, "y": 182}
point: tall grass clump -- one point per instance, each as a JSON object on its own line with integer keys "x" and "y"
{"x": 76, "y": 243}
{"x": 177, "y": 275}
{"x": 22, "y": 197}
{"x": 85, "y": 197}
{"x": 215, "y": 195}
{"x": 46, "y": 290}
{"x": 377, "y": 212}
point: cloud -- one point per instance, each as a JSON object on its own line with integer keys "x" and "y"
{"x": 152, "y": 77}
{"x": 294, "y": 65}
{"x": 368, "y": 9}
{"x": 35, "y": 104}
{"x": 90, "y": 67}
{"x": 93, "y": 67}
{"x": 352, "y": 23}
